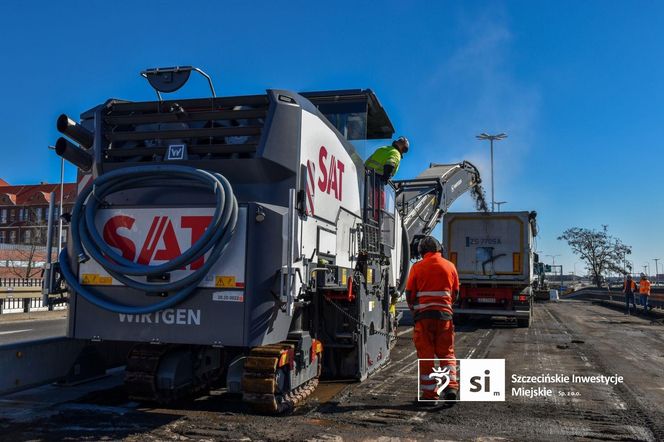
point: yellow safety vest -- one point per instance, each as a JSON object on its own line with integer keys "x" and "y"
{"x": 383, "y": 156}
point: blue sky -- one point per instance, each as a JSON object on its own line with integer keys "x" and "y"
{"x": 576, "y": 85}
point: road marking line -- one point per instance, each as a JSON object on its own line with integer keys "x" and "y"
{"x": 405, "y": 331}
{"x": 405, "y": 357}
{"x": 409, "y": 366}
{"x": 15, "y": 331}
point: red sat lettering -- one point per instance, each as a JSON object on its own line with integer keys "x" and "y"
{"x": 160, "y": 229}
{"x": 332, "y": 174}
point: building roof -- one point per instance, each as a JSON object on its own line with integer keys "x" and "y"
{"x": 21, "y": 253}
{"x": 35, "y": 194}
{"x": 3, "y": 183}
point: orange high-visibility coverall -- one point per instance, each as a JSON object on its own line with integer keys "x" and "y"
{"x": 432, "y": 286}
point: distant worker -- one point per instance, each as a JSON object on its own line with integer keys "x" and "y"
{"x": 433, "y": 285}
{"x": 644, "y": 291}
{"x": 385, "y": 160}
{"x": 628, "y": 290}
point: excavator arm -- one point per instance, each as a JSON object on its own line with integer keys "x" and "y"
{"x": 423, "y": 201}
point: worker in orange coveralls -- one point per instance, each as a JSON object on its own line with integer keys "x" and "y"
{"x": 433, "y": 285}
{"x": 644, "y": 292}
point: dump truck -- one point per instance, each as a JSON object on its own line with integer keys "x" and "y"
{"x": 494, "y": 255}
{"x": 232, "y": 241}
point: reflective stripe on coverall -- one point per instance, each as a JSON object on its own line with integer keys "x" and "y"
{"x": 431, "y": 286}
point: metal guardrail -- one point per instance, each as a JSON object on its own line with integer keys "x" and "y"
{"x": 27, "y": 305}
{"x": 656, "y": 300}
{"x": 20, "y": 282}
{"x": 23, "y": 295}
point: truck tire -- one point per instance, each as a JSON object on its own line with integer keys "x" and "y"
{"x": 524, "y": 322}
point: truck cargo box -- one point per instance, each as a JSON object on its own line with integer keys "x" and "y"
{"x": 491, "y": 247}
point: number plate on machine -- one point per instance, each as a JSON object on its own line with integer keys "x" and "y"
{"x": 486, "y": 300}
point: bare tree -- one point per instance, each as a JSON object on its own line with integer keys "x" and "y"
{"x": 599, "y": 251}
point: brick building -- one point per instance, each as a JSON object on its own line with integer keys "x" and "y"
{"x": 24, "y": 211}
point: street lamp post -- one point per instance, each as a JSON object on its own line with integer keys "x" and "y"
{"x": 492, "y": 138}
{"x": 500, "y": 203}
{"x": 62, "y": 187}
{"x": 656, "y": 271}
{"x": 553, "y": 265}
{"x": 62, "y": 191}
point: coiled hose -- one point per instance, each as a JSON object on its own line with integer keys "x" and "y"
{"x": 87, "y": 240}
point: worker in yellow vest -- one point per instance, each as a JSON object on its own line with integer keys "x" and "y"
{"x": 644, "y": 291}
{"x": 385, "y": 162}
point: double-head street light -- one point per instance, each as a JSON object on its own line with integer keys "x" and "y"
{"x": 553, "y": 258}
{"x": 492, "y": 138}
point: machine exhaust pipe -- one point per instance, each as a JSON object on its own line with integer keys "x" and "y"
{"x": 74, "y": 154}
{"x": 75, "y": 131}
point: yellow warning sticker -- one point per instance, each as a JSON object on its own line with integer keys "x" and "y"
{"x": 372, "y": 304}
{"x": 95, "y": 279}
{"x": 370, "y": 275}
{"x": 224, "y": 282}
{"x": 344, "y": 277}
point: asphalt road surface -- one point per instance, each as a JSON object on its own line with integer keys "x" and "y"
{"x": 28, "y": 330}
{"x": 569, "y": 337}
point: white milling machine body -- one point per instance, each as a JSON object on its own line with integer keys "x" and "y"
{"x": 302, "y": 277}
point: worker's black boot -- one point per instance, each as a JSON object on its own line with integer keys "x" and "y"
{"x": 451, "y": 394}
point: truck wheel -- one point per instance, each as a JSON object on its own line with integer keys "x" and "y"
{"x": 524, "y": 322}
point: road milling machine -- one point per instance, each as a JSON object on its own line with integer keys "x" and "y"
{"x": 240, "y": 241}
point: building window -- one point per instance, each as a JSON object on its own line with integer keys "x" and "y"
{"x": 3, "y": 216}
{"x": 12, "y": 215}
{"x": 27, "y": 236}
{"x": 12, "y": 237}
{"x": 38, "y": 214}
{"x": 2, "y": 237}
